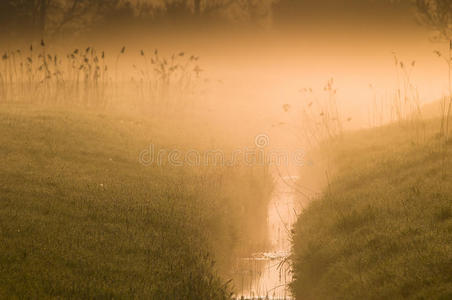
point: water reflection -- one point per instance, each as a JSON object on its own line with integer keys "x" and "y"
{"x": 266, "y": 275}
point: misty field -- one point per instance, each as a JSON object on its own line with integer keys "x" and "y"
{"x": 82, "y": 218}
{"x": 383, "y": 227}
{"x": 226, "y": 149}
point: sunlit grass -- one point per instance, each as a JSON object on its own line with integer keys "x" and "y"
{"x": 82, "y": 218}
{"x": 383, "y": 228}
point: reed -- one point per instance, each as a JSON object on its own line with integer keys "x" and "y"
{"x": 83, "y": 77}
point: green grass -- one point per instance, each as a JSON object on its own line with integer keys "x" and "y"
{"x": 383, "y": 227}
{"x": 81, "y": 218}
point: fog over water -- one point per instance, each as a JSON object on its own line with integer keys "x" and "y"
{"x": 351, "y": 42}
{"x": 200, "y": 76}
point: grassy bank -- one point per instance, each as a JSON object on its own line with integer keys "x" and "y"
{"x": 80, "y": 217}
{"x": 383, "y": 227}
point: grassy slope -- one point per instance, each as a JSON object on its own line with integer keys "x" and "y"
{"x": 81, "y": 218}
{"x": 383, "y": 229}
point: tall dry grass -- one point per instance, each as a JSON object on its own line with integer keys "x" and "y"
{"x": 91, "y": 77}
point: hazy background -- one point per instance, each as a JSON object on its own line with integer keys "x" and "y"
{"x": 257, "y": 52}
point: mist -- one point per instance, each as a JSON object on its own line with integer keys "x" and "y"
{"x": 227, "y": 149}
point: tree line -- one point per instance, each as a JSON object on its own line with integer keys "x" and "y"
{"x": 41, "y": 18}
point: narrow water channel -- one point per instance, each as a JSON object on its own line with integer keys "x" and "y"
{"x": 266, "y": 274}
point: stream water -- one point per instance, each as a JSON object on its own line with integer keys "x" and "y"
{"x": 266, "y": 274}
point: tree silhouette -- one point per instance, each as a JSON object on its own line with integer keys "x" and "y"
{"x": 50, "y": 17}
{"x": 234, "y": 10}
{"x": 437, "y": 14}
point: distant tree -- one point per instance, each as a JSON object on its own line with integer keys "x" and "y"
{"x": 76, "y": 15}
{"x": 231, "y": 10}
{"x": 197, "y": 7}
{"x": 51, "y": 17}
{"x": 17, "y": 17}
{"x": 437, "y": 14}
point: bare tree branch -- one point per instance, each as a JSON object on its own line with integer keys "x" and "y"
{"x": 437, "y": 14}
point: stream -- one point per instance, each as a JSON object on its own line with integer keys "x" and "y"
{"x": 266, "y": 274}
